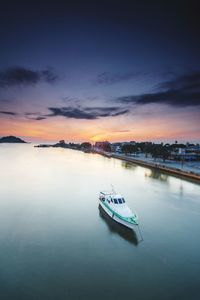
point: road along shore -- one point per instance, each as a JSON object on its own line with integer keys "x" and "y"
{"x": 171, "y": 171}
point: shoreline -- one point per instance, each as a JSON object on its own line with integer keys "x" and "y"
{"x": 157, "y": 166}
{"x": 176, "y": 172}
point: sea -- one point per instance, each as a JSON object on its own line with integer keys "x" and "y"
{"x": 56, "y": 243}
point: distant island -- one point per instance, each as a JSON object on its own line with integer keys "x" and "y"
{"x": 11, "y": 139}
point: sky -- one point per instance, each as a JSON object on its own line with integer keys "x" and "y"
{"x": 100, "y": 70}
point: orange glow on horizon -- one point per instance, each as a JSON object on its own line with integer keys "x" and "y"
{"x": 113, "y": 129}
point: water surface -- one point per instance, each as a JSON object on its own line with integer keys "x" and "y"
{"x": 55, "y": 243}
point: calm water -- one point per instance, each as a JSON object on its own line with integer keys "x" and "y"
{"x": 55, "y": 243}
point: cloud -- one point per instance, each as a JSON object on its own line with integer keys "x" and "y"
{"x": 8, "y": 113}
{"x": 86, "y": 113}
{"x": 109, "y": 78}
{"x": 34, "y": 116}
{"x": 39, "y": 118}
{"x": 186, "y": 82}
{"x": 71, "y": 112}
{"x": 71, "y": 100}
{"x": 181, "y": 92}
{"x": 21, "y": 76}
{"x": 48, "y": 75}
{"x": 121, "y": 131}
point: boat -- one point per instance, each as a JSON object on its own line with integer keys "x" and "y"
{"x": 126, "y": 233}
{"x": 115, "y": 206}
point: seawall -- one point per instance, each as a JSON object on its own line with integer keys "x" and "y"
{"x": 172, "y": 171}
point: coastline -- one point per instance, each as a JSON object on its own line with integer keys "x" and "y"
{"x": 156, "y": 166}
{"x": 187, "y": 174}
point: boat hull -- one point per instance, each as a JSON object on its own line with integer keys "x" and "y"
{"x": 116, "y": 218}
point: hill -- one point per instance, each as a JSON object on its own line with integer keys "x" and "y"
{"x": 11, "y": 139}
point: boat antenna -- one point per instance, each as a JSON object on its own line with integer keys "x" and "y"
{"x": 113, "y": 190}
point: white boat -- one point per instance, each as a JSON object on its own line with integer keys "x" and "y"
{"x": 115, "y": 206}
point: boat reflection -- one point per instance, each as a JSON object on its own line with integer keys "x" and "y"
{"x": 114, "y": 227}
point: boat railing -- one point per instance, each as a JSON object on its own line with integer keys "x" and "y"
{"x": 107, "y": 193}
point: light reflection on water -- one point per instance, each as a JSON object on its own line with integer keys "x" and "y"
{"x": 56, "y": 244}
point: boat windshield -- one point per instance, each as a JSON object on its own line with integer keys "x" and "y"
{"x": 119, "y": 200}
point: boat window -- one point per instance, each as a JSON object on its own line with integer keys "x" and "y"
{"x": 115, "y": 200}
{"x": 111, "y": 200}
{"x": 123, "y": 201}
{"x": 120, "y": 200}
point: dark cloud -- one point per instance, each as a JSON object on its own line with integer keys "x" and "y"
{"x": 21, "y": 76}
{"x": 8, "y": 113}
{"x": 111, "y": 78}
{"x": 181, "y": 92}
{"x": 48, "y": 75}
{"x": 34, "y": 116}
{"x": 78, "y": 112}
{"x": 87, "y": 113}
{"x": 187, "y": 82}
{"x": 39, "y": 118}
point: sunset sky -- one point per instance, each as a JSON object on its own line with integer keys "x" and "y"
{"x": 100, "y": 70}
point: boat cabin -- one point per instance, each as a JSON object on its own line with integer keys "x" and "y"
{"x": 111, "y": 198}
